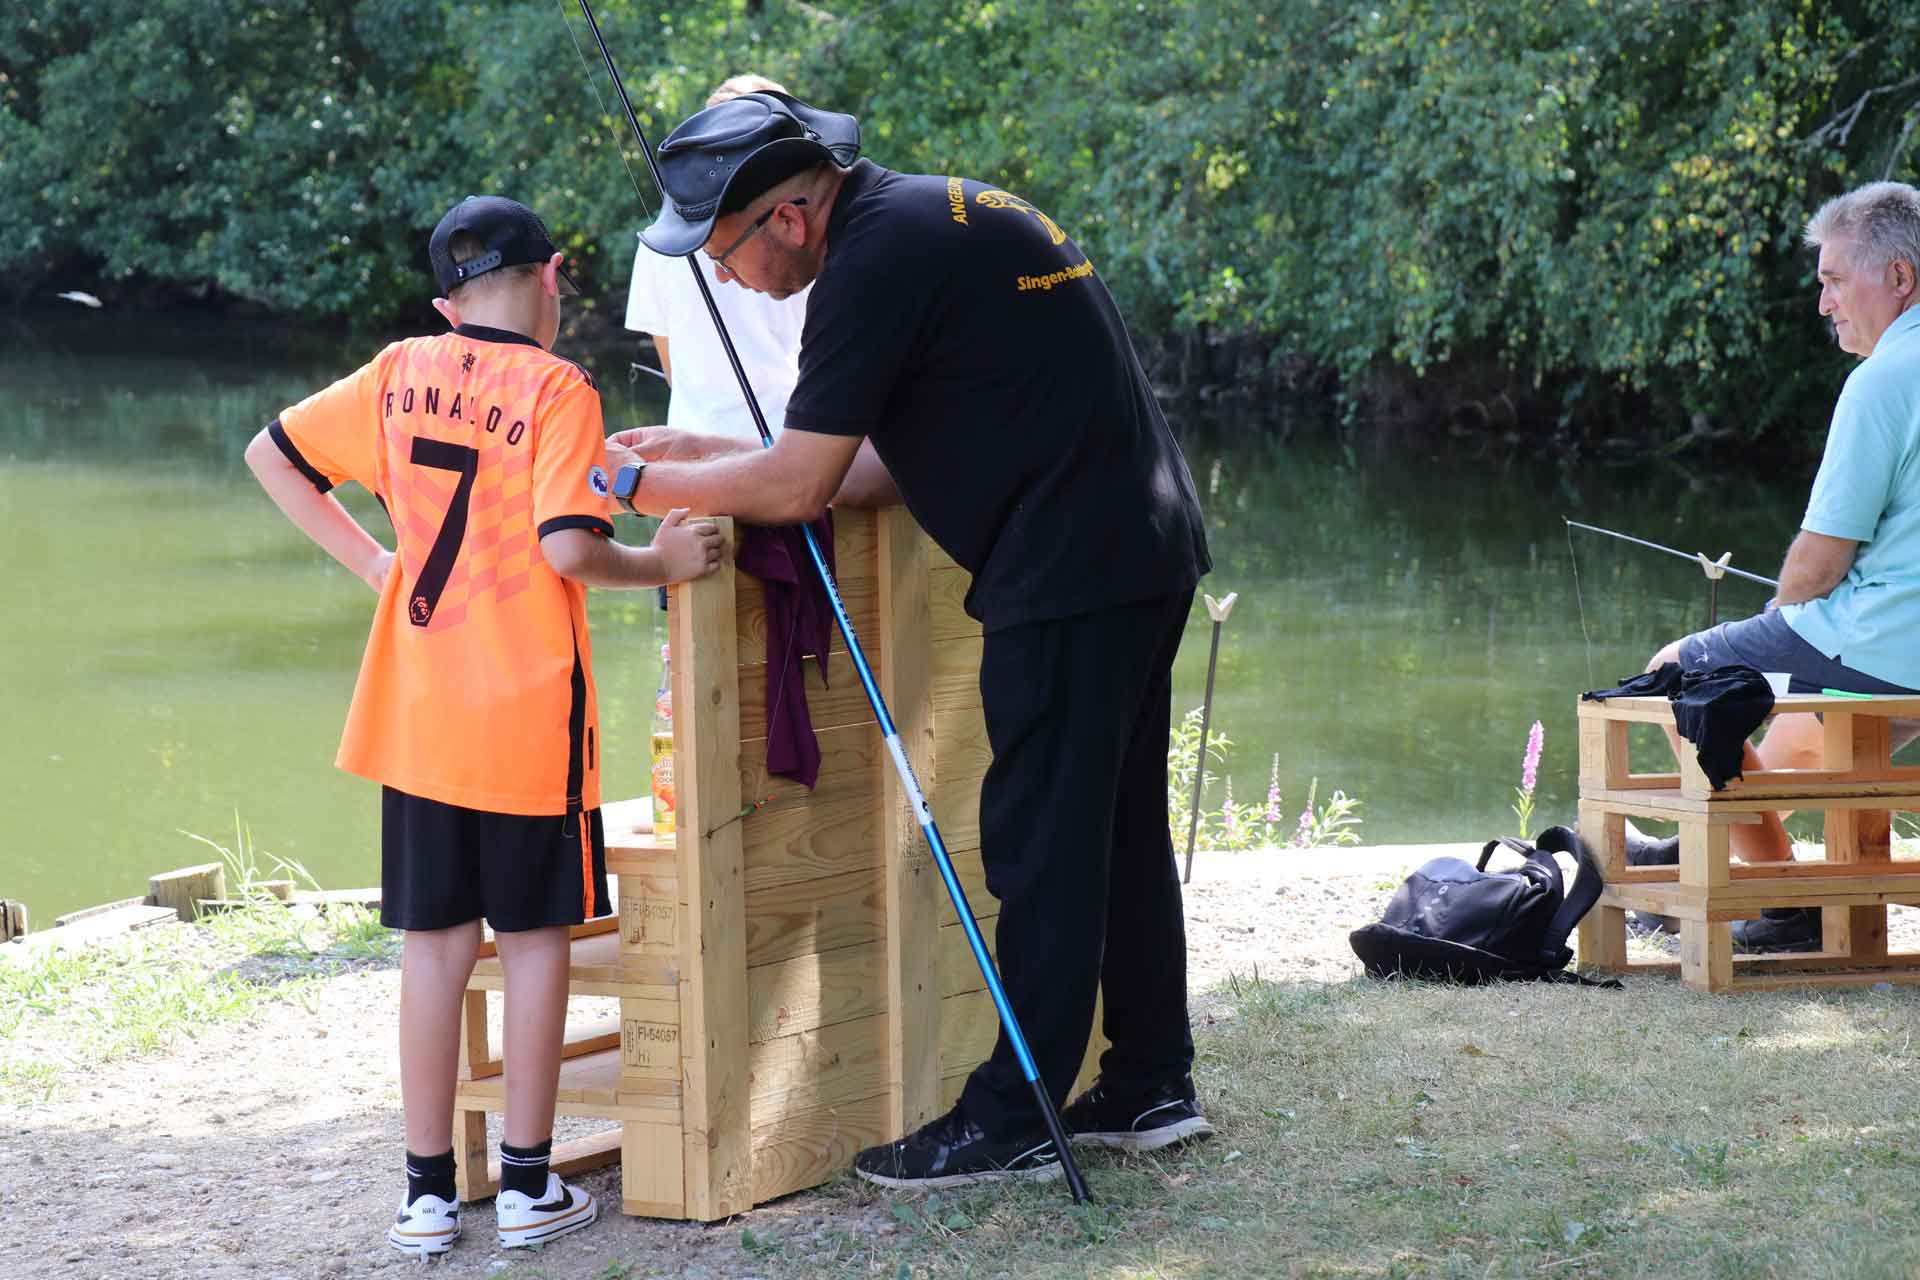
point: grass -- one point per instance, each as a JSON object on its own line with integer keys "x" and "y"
{"x": 62, "y": 1012}
{"x": 1390, "y": 1130}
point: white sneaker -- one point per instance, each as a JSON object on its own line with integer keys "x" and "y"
{"x": 428, "y": 1226}
{"x": 524, "y": 1220}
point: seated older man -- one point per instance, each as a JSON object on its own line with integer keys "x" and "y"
{"x": 1848, "y": 611}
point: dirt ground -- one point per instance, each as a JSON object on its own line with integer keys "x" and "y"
{"x": 272, "y": 1148}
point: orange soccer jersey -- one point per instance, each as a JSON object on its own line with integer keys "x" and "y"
{"x": 477, "y": 685}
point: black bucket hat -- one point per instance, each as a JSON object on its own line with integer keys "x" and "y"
{"x": 721, "y": 158}
{"x": 510, "y": 233}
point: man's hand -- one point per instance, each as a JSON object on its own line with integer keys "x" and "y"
{"x": 687, "y": 549}
{"x": 666, "y": 444}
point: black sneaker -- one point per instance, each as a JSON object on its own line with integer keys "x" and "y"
{"x": 1779, "y": 929}
{"x": 1135, "y": 1122}
{"x": 1645, "y": 852}
{"x": 952, "y": 1152}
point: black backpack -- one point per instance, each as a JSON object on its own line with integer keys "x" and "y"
{"x": 1452, "y": 922}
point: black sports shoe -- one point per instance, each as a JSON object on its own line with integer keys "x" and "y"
{"x": 954, "y": 1151}
{"x": 1135, "y": 1122}
{"x": 1779, "y": 929}
{"x": 1645, "y": 852}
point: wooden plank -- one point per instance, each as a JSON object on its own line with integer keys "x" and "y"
{"x": 652, "y": 1170}
{"x": 13, "y": 919}
{"x": 573, "y": 1156}
{"x": 1899, "y": 789}
{"x": 649, "y": 914}
{"x": 717, "y": 1148}
{"x": 803, "y": 1148}
{"x": 959, "y": 971}
{"x": 476, "y": 1046}
{"x": 598, "y": 963}
{"x": 860, "y": 593}
{"x": 1706, "y": 954}
{"x": 909, "y": 905}
{"x": 89, "y": 931}
{"x": 848, "y": 757}
{"x": 1905, "y": 977}
{"x": 649, "y": 1038}
{"x": 591, "y": 928}
{"x": 839, "y": 1063}
{"x": 815, "y": 915}
{"x": 474, "y": 1177}
{"x": 1658, "y": 710}
{"x": 1703, "y": 853}
{"x": 972, "y": 875}
{"x": 815, "y": 991}
{"x": 969, "y": 1025}
{"x": 590, "y": 1085}
{"x": 956, "y": 811}
{"x": 183, "y": 888}
{"x": 832, "y": 832}
{"x": 829, "y": 706}
{"x": 946, "y": 604}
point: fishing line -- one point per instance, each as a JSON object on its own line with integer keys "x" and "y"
{"x": 1580, "y": 604}
{"x": 612, "y": 120}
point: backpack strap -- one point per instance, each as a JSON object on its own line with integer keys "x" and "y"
{"x": 1587, "y": 886}
{"x": 1520, "y": 847}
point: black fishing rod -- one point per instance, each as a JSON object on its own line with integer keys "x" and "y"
{"x": 922, "y": 810}
{"x": 1714, "y": 569}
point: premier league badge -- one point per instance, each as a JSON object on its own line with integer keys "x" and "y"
{"x": 597, "y": 481}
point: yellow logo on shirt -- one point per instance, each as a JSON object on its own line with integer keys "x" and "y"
{"x": 1008, "y": 200}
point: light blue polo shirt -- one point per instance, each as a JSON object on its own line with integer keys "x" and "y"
{"x": 1868, "y": 489}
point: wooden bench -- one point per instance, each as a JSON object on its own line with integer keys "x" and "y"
{"x": 793, "y": 985}
{"x": 1856, "y": 787}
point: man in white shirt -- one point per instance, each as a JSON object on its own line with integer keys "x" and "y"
{"x": 664, "y": 302}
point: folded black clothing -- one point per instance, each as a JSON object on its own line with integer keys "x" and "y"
{"x": 1664, "y": 682}
{"x": 1715, "y": 709}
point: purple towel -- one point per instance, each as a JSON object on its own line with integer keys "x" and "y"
{"x": 799, "y": 622}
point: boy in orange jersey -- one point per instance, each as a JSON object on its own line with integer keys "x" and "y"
{"x": 475, "y": 706}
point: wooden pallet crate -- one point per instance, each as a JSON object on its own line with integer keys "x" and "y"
{"x": 793, "y": 985}
{"x": 1856, "y": 788}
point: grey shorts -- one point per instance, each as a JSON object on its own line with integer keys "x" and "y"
{"x": 1766, "y": 641}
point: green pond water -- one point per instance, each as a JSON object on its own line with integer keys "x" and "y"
{"x": 176, "y": 656}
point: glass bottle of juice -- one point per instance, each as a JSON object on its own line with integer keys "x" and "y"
{"x": 663, "y": 749}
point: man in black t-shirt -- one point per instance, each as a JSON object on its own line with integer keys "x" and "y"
{"x": 961, "y": 353}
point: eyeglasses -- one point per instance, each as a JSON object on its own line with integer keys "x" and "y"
{"x": 720, "y": 259}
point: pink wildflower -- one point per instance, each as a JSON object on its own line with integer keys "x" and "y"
{"x": 1273, "y": 792}
{"x": 1303, "y": 834}
{"x": 1530, "y": 766}
{"x": 1229, "y": 820}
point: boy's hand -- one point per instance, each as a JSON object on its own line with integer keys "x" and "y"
{"x": 375, "y": 573}
{"x": 688, "y": 548}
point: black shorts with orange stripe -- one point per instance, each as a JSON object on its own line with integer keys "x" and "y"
{"x": 442, "y": 865}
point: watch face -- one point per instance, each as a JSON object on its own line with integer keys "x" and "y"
{"x": 625, "y": 481}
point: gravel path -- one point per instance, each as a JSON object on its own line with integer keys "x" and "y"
{"x": 270, "y": 1149}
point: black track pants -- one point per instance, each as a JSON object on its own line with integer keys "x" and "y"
{"x": 1073, "y": 828}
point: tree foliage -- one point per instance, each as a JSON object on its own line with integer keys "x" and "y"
{"x": 1599, "y": 199}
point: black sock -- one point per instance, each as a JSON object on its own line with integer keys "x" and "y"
{"x": 430, "y": 1176}
{"x": 524, "y": 1169}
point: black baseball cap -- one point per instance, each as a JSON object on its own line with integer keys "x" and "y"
{"x": 721, "y": 158}
{"x": 509, "y": 232}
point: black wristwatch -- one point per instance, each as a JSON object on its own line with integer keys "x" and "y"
{"x": 626, "y": 482}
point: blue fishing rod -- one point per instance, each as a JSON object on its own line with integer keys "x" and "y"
{"x": 921, "y": 809}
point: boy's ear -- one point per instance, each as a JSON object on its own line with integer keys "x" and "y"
{"x": 449, "y": 311}
{"x": 550, "y": 275}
